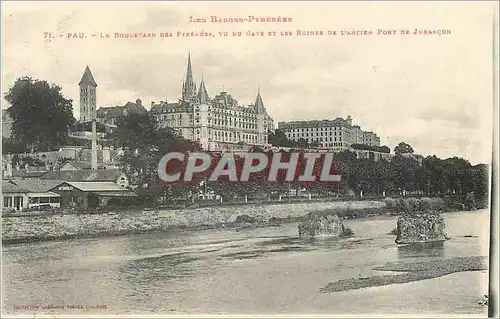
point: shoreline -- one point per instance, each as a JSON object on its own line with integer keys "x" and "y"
{"x": 28, "y": 240}
{"x": 30, "y": 228}
{"x": 65, "y": 225}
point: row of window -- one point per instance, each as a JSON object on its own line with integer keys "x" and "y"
{"x": 330, "y": 129}
{"x": 299, "y": 135}
{"x": 240, "y": 112}
{"x": 334, "y": 139}
{"x": 337, "y": 145}
{"x": 16, "y": 202}
{"x": 334, "y": 128}
{"x": 231, "y": 119}
{"x": 241, "y": 125}
{"x": 235, "y": 124}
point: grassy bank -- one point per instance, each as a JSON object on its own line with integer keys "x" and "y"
{"x": 414, "y": 271}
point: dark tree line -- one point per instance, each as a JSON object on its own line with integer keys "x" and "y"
{"x": 145, "y": 143}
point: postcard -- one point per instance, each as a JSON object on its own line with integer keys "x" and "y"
{"x": 324, "y": 159}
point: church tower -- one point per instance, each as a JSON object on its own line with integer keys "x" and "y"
{"x": 87, "y": 96}
{"x": 262, "y": 119}
{"x": 202, "y": 94}
{"x": 189, "y": 87}
{"x": 259, "y": 104}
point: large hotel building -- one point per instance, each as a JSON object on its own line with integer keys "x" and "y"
{"x": 221, "y": 123}
{"x": 217, "y": 123}
{"x": 338, "y": 134}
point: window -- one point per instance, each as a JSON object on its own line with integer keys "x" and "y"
{"x": 7, "y": 201}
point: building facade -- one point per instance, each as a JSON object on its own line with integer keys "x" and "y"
{"x": 108, "y": 116}
{"x": 337, "y": 135}
{"x": 217, "y": 124}
{"x": 88, "y": 88}
{"x": 370, "y": 138}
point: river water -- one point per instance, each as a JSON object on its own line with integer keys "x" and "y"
{"x": 248, "y": 271}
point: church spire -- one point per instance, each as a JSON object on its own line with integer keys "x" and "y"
{"x": 259, "y": 104}
{"x": 87, "y": 78}
{"x": 189, "y": 87}
{"x": 189, "y": 75}
{"x": 202, "y": 93}
{"x": 88, "y": 94}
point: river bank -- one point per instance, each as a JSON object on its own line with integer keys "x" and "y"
{"x": 39, "y": 227}
{"x": 61, "y": 225}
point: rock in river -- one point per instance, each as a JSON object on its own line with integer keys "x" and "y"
{"x": 421, "y": 227}
{"x": 318, "y": 223}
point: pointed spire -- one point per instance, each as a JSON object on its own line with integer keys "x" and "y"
{"x": 189, "y": 87}
{"x": 189, "y": 75}
{"x": 87, "y": 78}
{"x": 202, "y": 93}
{"x": 259, "y": 104}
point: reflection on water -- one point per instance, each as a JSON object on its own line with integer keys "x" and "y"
{"x": 263, "y": 270}
{"x": 435, "y": 249}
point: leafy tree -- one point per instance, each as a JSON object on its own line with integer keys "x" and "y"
{"x": 41, "y": 115}
{"x": 381, "y": 149}
{"x": 403, "y": 148}
{"x": 302, "y": 142}
{"x": 80, "y": 127}
{"x": 315, "y": 143}
{"x": 11, "y": 146}
{"x": 144, "y": 143}
{"x": 278, "y": 138}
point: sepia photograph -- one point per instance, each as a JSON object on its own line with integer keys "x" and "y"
{"x": 267, "y": 158}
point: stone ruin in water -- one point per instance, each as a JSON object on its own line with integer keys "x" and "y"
{"x": 421, "y": 227}
{"x": 319, "y": 223}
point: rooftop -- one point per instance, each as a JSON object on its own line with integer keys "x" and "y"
{"x": 34, "y": 185}
{"x": 11, "y": 187}
{"x": 98, "y": 186}
{"x": 99, "y": 175}
{"x": 117, "y": 111}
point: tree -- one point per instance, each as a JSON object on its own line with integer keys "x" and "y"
{"x": 315, "y": 144}
{"x": 278, "y": 138}
{"x": 144, "y": 143}
{"x": 41, "y": 115}
{"x": 11, "y": 146}
{"x": 403, "y": 148}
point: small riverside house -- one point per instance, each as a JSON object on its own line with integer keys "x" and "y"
{"x": 13, "y": 196}
{"x": 20, "y": 194}
{"x": 89, "y": 194}
{"x": 88, "y": 175}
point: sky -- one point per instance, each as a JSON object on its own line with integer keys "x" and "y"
{"x": 434, "y": 92}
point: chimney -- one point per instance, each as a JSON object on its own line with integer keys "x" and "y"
{"x": 8, "y": 168}
{"x": 94, "y": 144}
{"x": 106, "y": 155}
{"x": 349, "y": 120}
{"x": 138, "y": 102}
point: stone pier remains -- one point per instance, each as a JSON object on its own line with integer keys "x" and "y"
{"x": 421, "y": 227}
{"x": 322, "y": 223}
